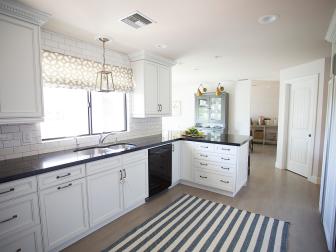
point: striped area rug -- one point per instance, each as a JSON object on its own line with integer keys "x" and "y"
{"x": 194, "y": 224}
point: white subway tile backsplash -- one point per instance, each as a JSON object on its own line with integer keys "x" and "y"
{"x": 11, "y": 143}
{"x": 10, "y": 129}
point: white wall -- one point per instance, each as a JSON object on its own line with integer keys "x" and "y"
{"x": 241, "y": 108}
{"x": 25, "y": 139}
{"x": 184, "y": 92}
{"x": 322, "y": 68}
{"x": 264, "y": 99}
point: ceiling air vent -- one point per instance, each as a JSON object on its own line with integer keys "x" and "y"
{"x": 137, "y": 20}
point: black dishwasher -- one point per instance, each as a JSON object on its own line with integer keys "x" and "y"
{"x": 159, "y": 168}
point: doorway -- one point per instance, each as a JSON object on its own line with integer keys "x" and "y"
{"x": 301, "y": 124}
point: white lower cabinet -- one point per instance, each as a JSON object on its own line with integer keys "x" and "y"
{"x": 216, "y": 166}
{"x": 18, "y": 214}
{"x": 104, "y": 196}
{"x": 29, "y": 240}
{"x": 186, "y": 161}
{"x": 64, "y": 213}
{"x": 176, "y": 171}
{"x": 135, "y": 183}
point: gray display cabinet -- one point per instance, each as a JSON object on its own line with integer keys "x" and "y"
{"x": 212, "y": 112}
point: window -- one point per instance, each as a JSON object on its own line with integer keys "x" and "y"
{"x": 108, "y": 112}
{"x": 74, "y": 112}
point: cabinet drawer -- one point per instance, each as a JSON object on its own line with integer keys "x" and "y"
{"x": 135, "y": 156}
{"x": 103, "y": 165}
{"x": 204, "y": 147}
{"x": 61, "y": 176}
{"x": 26, "y": 241}
{"x": 17, "y": 188}
{"x": 223, "y": 168}
{"x": 215, "y": 157}
{"x": 226, "y": 149}
{"x": 214, "y": 180}
{"x": 18, "y": 214}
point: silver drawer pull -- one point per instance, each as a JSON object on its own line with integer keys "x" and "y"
{"x": 10, "y": 190}
{"x": 9, "y": 219}
{"x": 225, "y": 158}
{"x": 204, "y": 164}
{"x": 63, "y": 176}
{"x": 203, "y": 177}
{"x": 202, "y": 155}
{"x": 121, "y": 175}
{"x": 62, "y": 187}
{"x": 204, "y": 147}
{"x": 225, "y": 149}
{"x": 225, "y": 168}
{"x": 224, "y": 181}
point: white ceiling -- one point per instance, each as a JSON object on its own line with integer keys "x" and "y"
{"x": 195, "y": 31}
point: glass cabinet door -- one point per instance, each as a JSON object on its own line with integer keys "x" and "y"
{"x": 215, "y": 109}
{"x": 203, "y": 109}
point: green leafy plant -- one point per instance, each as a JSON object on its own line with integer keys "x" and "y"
{"x": 194, "y": 132}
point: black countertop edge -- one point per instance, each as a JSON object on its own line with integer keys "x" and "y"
{"x": 34, "y": 172}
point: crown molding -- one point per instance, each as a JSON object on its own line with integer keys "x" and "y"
{"x": 145, "y": 55}
{"x": 331, "y": 33}
{"x": 18, "y": 10}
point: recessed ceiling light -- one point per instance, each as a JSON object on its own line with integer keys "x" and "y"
{"x": 267, "y": 19}
{"x": 161, "y": 46}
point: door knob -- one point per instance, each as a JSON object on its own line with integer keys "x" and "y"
{"x": 309, "y": 135}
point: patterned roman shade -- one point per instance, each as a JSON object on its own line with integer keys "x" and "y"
{"x": 59, "y": 70}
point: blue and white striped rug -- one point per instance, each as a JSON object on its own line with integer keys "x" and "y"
{"x": 194, "y": 224}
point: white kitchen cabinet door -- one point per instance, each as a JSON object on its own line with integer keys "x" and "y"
{"x": 64, "y": 213}
{"x": 176, "y": 162}
{"x": 135, "y": 183}
{"x": 104, "y": 196}
{"x": 186, "y": 161}
{"x": 20, "y": 72}
{"x": 29, "y": 240}
{"x": 151, "y": 88}
{"x": 164, "y": 90}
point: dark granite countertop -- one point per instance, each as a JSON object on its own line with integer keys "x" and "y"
{"x": 18, "y": 168}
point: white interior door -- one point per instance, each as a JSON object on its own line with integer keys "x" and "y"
{"x": 301, "y": 126}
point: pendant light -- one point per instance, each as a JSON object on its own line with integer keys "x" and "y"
{"x": 200, "y": 90}
{"x": 104, "y": 80}
{"x": 219, "y": 89}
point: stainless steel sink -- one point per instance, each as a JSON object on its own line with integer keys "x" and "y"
{"x": 119, "y": 147}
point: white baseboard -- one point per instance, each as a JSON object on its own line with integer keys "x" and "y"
{"x": 315, "y": 180}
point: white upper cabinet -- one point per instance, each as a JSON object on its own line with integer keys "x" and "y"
{"x": 20, "y": 68}
{"x": 152, "y": 78}
{"x": 164, "y": 90}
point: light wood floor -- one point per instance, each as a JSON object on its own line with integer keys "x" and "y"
{"x": 272, "y": 192}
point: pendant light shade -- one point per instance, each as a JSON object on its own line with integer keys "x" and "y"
{"x": 219, "y": 89}
{"x": 104, "y": 81}
{"x": 200, "y": 90}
